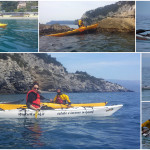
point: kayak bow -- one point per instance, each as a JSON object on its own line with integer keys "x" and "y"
{"x": 3, "y": 25}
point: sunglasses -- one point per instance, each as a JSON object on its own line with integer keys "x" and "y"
{"x": 36, "y": 88}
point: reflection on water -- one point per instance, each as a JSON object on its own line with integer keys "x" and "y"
{"x": 33, "y": 133}
{"x": 102, "y": 42}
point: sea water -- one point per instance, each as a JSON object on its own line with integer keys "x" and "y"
{"x": 145, "y": 82}
{"x": 143, "y": 22}
{"x": 101, "y": 42}
{"x": 20, "y": 35}
{"x": 119, "y": 131}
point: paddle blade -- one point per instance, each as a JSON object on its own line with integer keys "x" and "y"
{"x": 36, "y": 114}
{"x": 146, "y": 124}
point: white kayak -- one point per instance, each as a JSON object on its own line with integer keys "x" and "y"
{"x": 65, "y": 112}
{"x": 142, "y": 37}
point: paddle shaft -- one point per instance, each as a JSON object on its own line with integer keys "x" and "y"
{"x": 37, "y": 111}
{"x": 14, "y": 102}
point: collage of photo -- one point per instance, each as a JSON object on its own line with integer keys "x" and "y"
{"x": 74, "y": 74}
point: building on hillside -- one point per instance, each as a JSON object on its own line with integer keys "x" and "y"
{"x": 22, "y": 5}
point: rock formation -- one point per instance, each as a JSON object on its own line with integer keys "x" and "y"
{"x": 50, "y": 29}
{"x": 118, "y": 17}
{"x": 18, "y": 71}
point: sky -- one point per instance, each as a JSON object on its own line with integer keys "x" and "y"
{"x": 146, "y": 60}
{"x": 67, "y": 10}
{"x": 118, "y": 66}
{"x": 143, "y": 7}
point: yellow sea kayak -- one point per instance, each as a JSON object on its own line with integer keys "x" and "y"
{"x": 75, "y": 31}
{"x": 52, "y": 105}
{"x": 3, "y": 25}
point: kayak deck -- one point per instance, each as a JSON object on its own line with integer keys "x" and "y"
{"x": 69, "y": 112}
{"x": 75, "y": 31}
{"x": 3, "y": 25}
{"x": 52, "y": 105}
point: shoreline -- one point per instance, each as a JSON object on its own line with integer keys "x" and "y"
{"x": 11, "y": 18}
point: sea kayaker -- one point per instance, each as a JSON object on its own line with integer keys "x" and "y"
{"x": 33, "y": 98}
{"x": 61, "y": 98}
{"x": 80, "y": 23}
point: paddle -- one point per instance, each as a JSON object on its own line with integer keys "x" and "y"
{"x": 37, "y": 111}
{"x": 141, "y": 31}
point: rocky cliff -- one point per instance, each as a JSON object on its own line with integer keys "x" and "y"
{"x": 115, "y": 17}
{"x": 18, "y": 71}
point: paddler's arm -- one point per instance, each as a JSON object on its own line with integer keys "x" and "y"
{"x": 53, "y": 101}
{"x": 68, "y": 100}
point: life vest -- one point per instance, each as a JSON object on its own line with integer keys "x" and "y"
{"x": 59, "y": 100}
{"x": 35, "y": 103}
{"x": 80, "y": 22}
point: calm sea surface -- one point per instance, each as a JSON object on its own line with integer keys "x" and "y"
{"x": 19, "y": 36}
{"x": 102, "y": 42}
{"x": 143, "y": 22}
{"x": 119, "y": 131}
{"x": 145, "y": 82}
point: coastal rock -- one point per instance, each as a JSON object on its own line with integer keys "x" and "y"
{"x": 118, "y": 17}
{"x": 18, "y": 71}
{"x": 117, "y": 25}
{"x": 51, "y": 29}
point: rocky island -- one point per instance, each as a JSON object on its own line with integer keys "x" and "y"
{"x": 18, "y": 71}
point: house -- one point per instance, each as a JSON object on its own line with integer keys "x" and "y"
{"x": 21, "y": 5}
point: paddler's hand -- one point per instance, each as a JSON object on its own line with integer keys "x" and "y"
{"x": 69, "y": 105}
{"x": 38, "y": 109}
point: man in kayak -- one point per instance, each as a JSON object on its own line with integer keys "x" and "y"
{"x": 61, "y": 98}
{"x": 33, "y": 97}
{"x": 80, "y": 23}
{"x": 146, "y": 127}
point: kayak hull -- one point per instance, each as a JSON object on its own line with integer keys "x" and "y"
{"x": 70, "y": 112}
{"x": 52, "y": 105}
{"x": 3, "y": 25}
{"x": 75, "y": 31}
{"x": 141, "y": 37}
